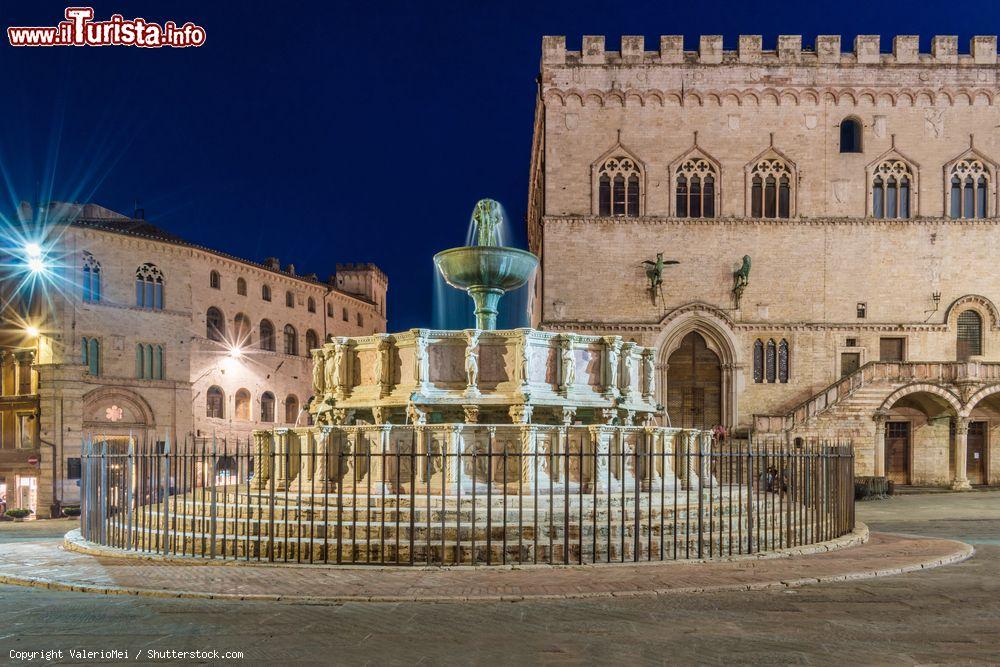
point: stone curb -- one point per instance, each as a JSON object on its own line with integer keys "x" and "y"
{"x": 963, "y": 552}
{"x": 73, "y": 541}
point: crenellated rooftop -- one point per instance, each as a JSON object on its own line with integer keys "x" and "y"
{"x": 828, "y": 50}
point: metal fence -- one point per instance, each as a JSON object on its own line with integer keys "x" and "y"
{"x": 503, "y": 494}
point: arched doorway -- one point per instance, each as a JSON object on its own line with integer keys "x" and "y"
{"x": 919, "y": 439}
{"x": 694, "y": 384}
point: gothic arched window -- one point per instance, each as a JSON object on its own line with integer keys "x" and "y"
{"x": 970, "y": 188}
{"x": 696, "y": 189}
{"x": 892, "y": 190}
{"x": 215, "y": 280}
{"x": 265, "y": 292}
{"x": 149, "y": 287}
{"x": 215, "y": 325}
{"x": 850, "y": 136}
{"x": 311, "y": 305}
{"x": 91, "y": 278}
{"x": 619, "y": 187}
{"x": 215, "y": 403}
{"x": 770, "y": 362}
{"x": 266, "y": 335}
{"x": 312, "y": 341}
{"x": 970, "y": 335}
{"x": 783, "y": 361}
{"x": 241, "y": 286}
{"x": 758, "y": 361}
{"x": 291, "y": 340}
{"x": 772, "y": 184}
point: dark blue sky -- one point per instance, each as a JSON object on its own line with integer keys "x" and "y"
{"x": 376, "y": 125}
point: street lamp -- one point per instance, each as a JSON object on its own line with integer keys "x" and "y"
{"x": 32, "y": 331}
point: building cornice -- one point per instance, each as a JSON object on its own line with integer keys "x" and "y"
{"x": 741, "y": 221}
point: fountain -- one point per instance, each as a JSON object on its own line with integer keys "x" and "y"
{"x": 472, "y": 446}
{"x": 487, "y": 270}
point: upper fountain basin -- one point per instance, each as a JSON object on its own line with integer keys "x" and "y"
{"x": 486, "y": 266}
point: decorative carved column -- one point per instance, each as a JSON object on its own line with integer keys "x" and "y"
{"x": 533, "y": 470}
{"x": 961, "y": 481}
{"x": 567, "y": 364}
{"x": 25, "y": 358}
{"x": 610, "y": 363}
{"x": 324, "y": 453}
{"x": 263, "y": 444}
{"x": 383, "y": 367}
{"x": 879, "y": 454}
{"x": 421, "y": 363}
{"x": 600, "y": 441}
{"x": 628, "y": 364}
{"x": 282, "y": 455}
{"x": 648, "y": 373}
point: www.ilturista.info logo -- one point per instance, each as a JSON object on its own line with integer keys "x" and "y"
{"x": 80, "y": 29}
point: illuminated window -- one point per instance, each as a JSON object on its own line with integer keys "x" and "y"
{"x": 291, "y": 340}
{"x": 91, "y": 278}
{"x": 267, "y": 407}
{"x": 243, "y": 405}
{"x": 215, "y": 403}
{"x": 215, "y": 325}
{"x": 266, "y": 335}
{"x": 291, "y": 409}
{"x": 241, "y": 330}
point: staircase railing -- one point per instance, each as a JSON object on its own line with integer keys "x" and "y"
{"x": 876, "y": 371}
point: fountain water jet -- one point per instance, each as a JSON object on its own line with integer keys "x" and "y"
{"x": 486, "y": 270}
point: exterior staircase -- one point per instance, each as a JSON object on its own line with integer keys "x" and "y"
{"x": 860, "y": 394}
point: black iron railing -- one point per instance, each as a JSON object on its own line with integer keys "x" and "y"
{"x": 427, "y": 495}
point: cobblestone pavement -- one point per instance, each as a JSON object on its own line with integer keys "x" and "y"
{"x": 949, "y": 615}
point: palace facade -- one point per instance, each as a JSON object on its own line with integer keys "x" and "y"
{"x": 833, "y": 212}
{"x": 134, "y": 333}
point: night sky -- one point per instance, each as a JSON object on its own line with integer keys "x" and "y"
{"x": 374, "y": 124}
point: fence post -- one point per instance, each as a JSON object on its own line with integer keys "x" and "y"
{"x": 212, "y": 518}
{"x": 165, "y": 495}
{"x": 129, "y": 477}
{"x": 85, "y": 489}
{"x": 104, "y": 493}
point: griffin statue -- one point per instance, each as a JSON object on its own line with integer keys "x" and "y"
{"x": 654, "y": 272}
{"x": 741, "y": 278}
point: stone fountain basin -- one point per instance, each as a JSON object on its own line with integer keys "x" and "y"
{"x": 486, "y": 266}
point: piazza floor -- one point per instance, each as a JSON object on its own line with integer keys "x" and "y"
{"x": 946, "y": 615}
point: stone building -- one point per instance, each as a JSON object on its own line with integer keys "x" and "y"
{"x": 143, "y": 335}
{"x": 860, "y": 186}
